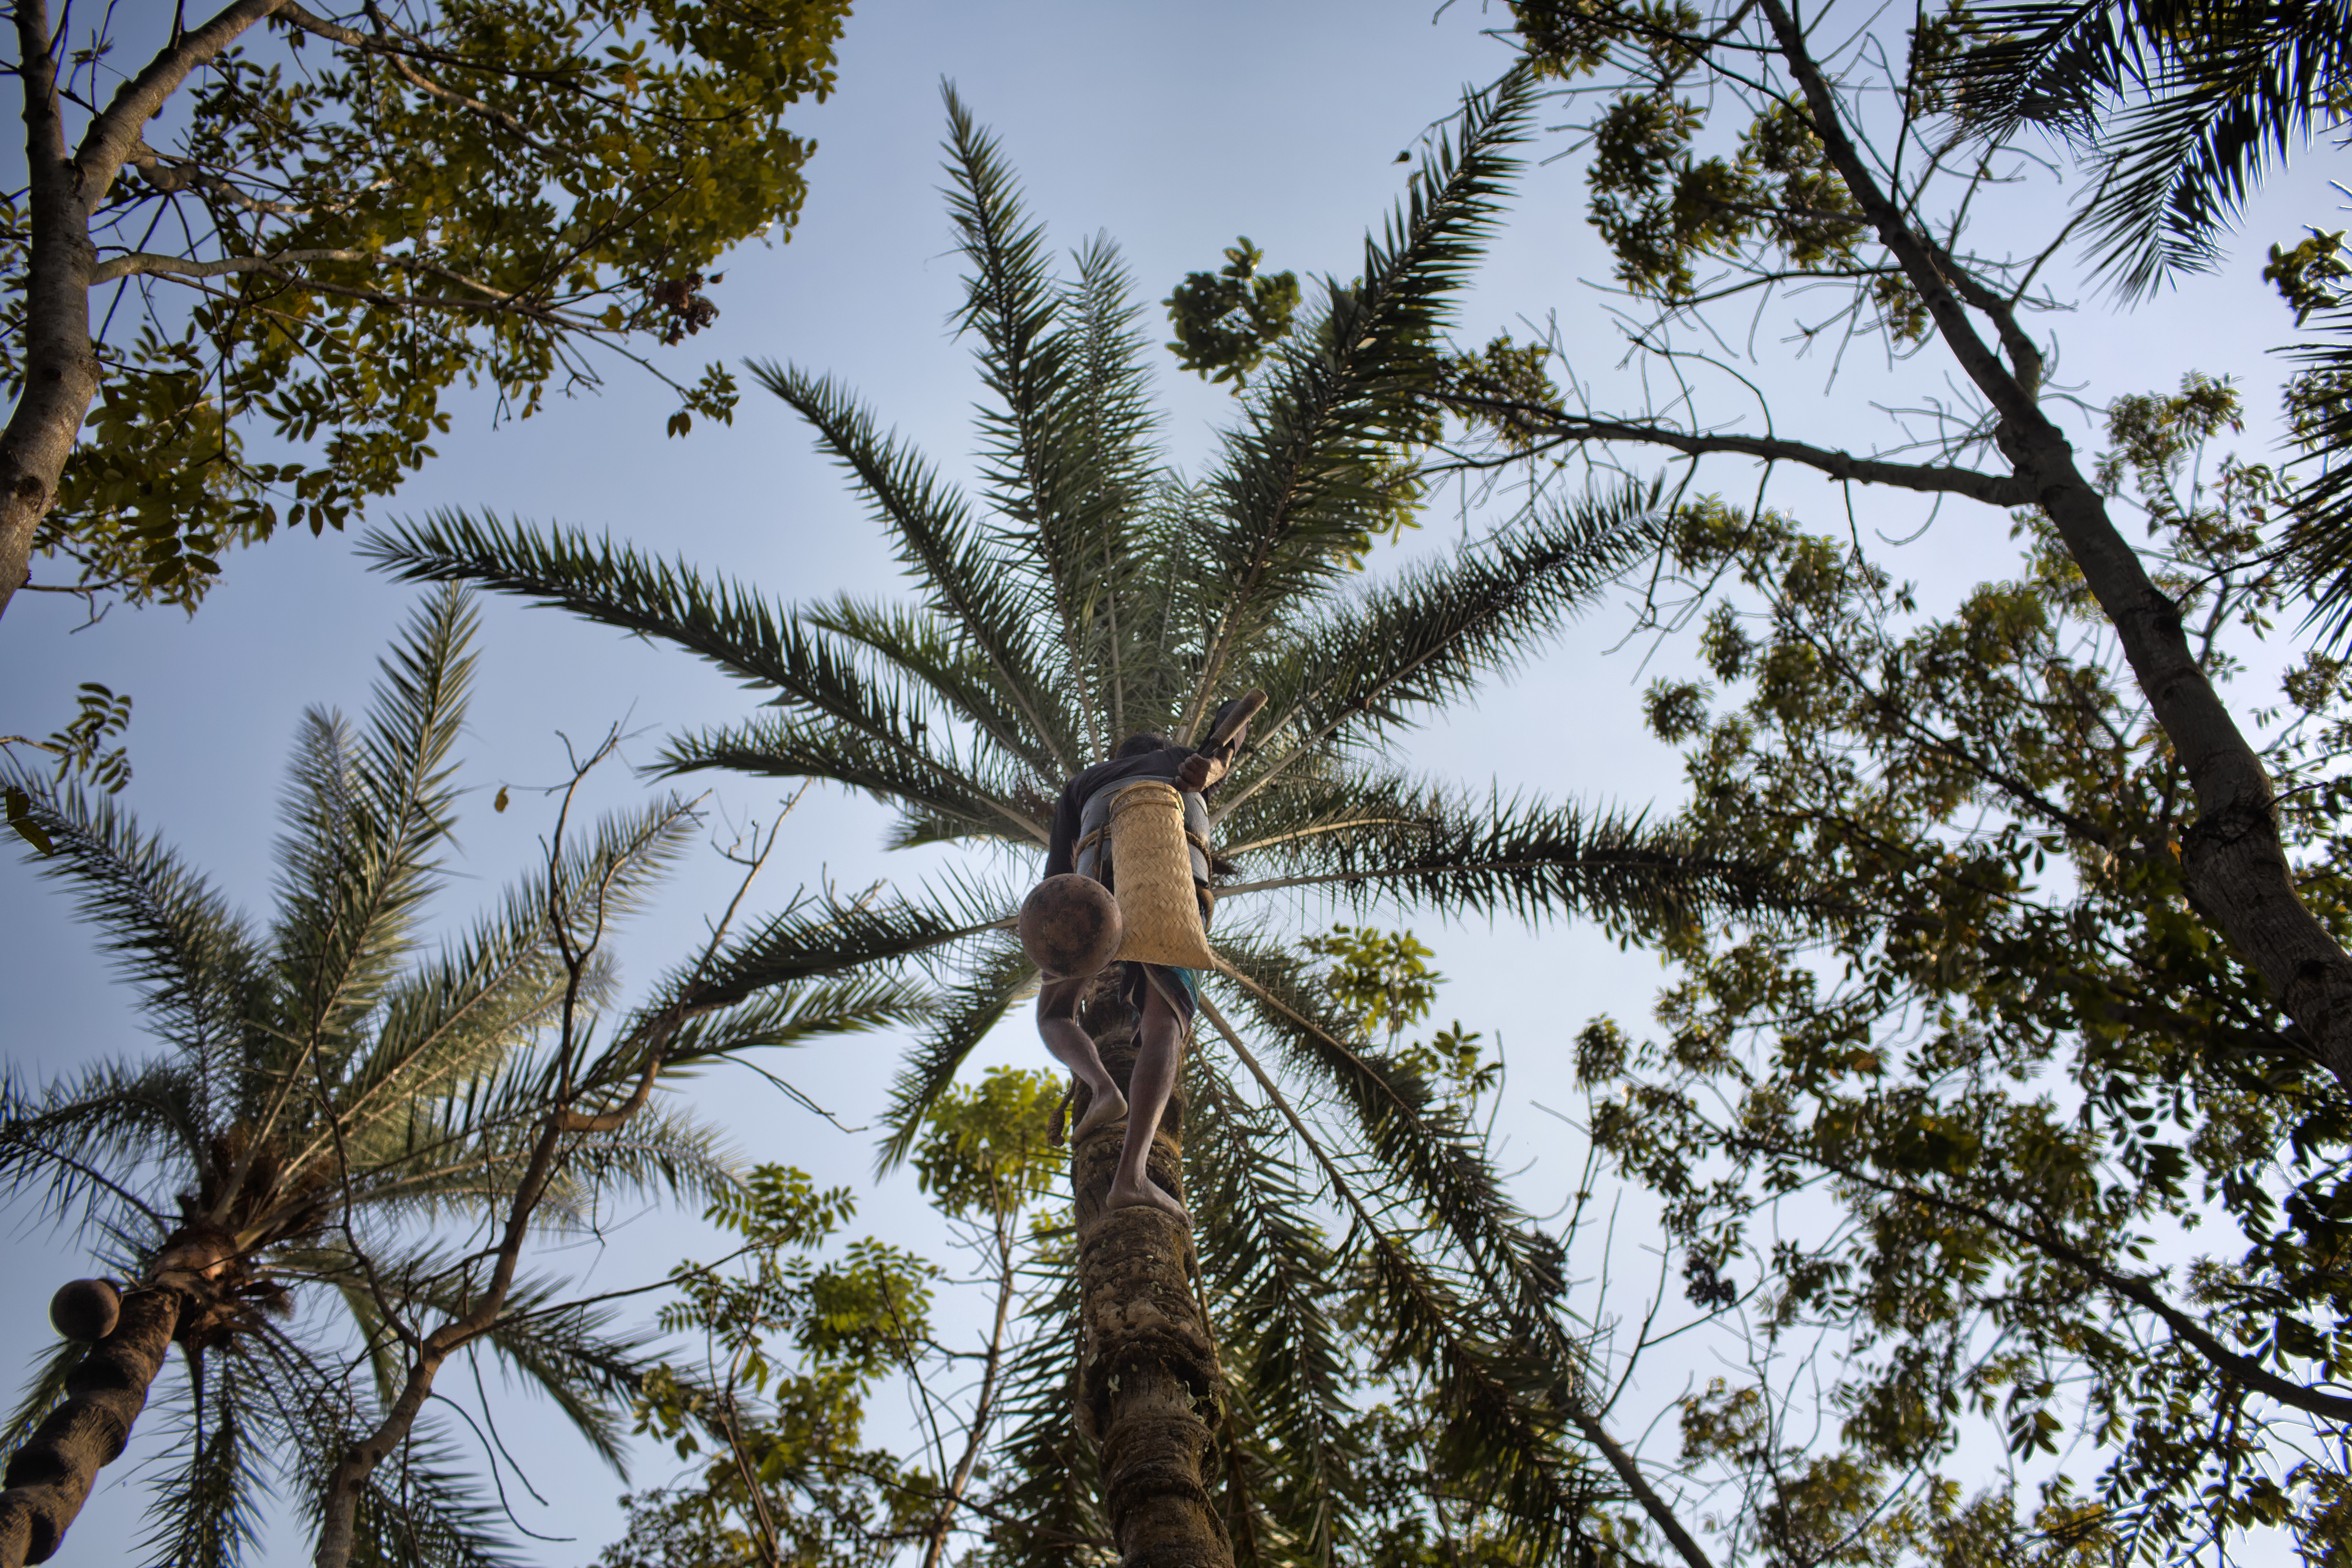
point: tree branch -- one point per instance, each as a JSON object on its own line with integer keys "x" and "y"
{"x": 2235, "y": 865}
{"x": 1993, "y": 489}
{"x": 2244, "y": 1369}
{"x": 148, "y": 264}
{"x": 107, "y": 145}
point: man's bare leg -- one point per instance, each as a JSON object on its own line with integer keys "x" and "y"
{"x": 1074, "y": 1048}
{"x": 1161, "y": 1045}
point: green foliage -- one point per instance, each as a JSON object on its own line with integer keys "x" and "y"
{"x": 1226, "y": 320}
{"x": 79, "y": 750}
{"x": 452, "y": 194}
{"x": 2010, "y": 1146}
{"x": 2181, "y": 108}
{"x": 2307, "y": 276}
{"x": 984, "y": 1151}
{"x": 1379, "y": 975}
{"x": 1505, "y": 387}
{"x": 337, "y": 1097}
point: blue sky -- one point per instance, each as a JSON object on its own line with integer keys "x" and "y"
{"x": 1174, "y": 130}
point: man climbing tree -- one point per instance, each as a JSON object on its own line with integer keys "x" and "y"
{"x": 1164, "y": 995}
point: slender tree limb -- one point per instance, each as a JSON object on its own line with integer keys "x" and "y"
{"x": 108, "y": 143}
{"x": 147, "y": 263}
{"x": 1993, "y": 489}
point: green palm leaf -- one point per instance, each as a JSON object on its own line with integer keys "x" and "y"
{"x": 2210, "y": 97}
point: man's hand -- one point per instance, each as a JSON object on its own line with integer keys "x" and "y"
{"x": 1200, "y": 771}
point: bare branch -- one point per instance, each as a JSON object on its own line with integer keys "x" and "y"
{"x": 1993, "y": 489}
{"x": 146, "y": 263}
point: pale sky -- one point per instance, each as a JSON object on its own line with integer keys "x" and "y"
{"x": 1173, "y": 129}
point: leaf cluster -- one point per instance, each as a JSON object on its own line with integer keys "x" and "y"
{"x": 2008, "y": 1140}
{"x": 363, "y": 213}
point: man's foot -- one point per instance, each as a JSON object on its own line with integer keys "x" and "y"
{"x": 1106, "y": 1108}
{"x": 1147, "y": 1194}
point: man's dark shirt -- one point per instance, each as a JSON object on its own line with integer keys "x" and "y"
{"x": 1061, "y": 855}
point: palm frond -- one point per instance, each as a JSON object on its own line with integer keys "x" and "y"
{"x": 1270, "y": 1275}
{"x": 1487, "y": 1337}
{"x": 2213, "y": 96}
{"x": 1408, "y": 648}
{"x": 996, "y": 974}
{"x": 1296, "y": 482}
{"x": 43, "y": 1389}
{"x": 1391, "y": 842}
{"x": 1435, "y": 1160}
{"x": 91, "y": 1145}
{"x": 1097, "y": 543}
{"x": 910, "y": 765}
{"x": 365, "y": 819}
{"x": 831, "y": 938}
{"x": 208, "y": 1509}
{"x": 1069, "y": 437}
{"x": 604, "y": 876}
{"x": 967, "y": 577}
{"x": 730, "y": 626}
{"x": 2318, "y": 535}
{"x": 955, "y": 668}
{"x": 170, "y": 935}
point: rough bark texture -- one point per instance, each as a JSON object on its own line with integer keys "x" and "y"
{"x": 61, "y": 190}
{"x": 2232, "y": 858}
{"x": 51, "y": 1477}
{"x": 1148, "y": 1377}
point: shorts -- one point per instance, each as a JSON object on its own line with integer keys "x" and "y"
{"x": 1180, "y": 986}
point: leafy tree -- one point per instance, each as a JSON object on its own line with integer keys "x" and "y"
{"x": 338, "y": 1109}
{"x": 1808, "y": 191}
{"x": 1102, "y": 595}
{"x": 1226, "y": 320}
{"x": 2007, "y": 1150}
{"x": 338, "y": 220}
{"x": 787, "y": 1482}
{"x": 2179, "y": 111}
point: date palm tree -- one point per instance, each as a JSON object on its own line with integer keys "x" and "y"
{"x": 1089, "y": 591}
{"x": 335, "y": 1106}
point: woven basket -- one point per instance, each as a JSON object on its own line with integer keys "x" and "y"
{"x": 1153, "y": 876}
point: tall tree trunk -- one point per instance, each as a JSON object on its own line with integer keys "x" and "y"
{"x": 51, "y": 1477}
{"x": 1148, "y": 1377}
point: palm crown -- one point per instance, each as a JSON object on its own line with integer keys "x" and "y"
{"x": 335, "y": 1103}
{"x": 1090, "y": 592}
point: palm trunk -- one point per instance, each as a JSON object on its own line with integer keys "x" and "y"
{"x": 1147, "y": 1370}
{"x": 51, "y": 1477}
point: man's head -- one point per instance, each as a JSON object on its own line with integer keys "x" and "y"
{"x": 1143, "y": 745}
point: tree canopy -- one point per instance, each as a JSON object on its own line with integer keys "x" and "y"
{"x": 336, "y": 1108}
{"x": 297, "y": 234}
